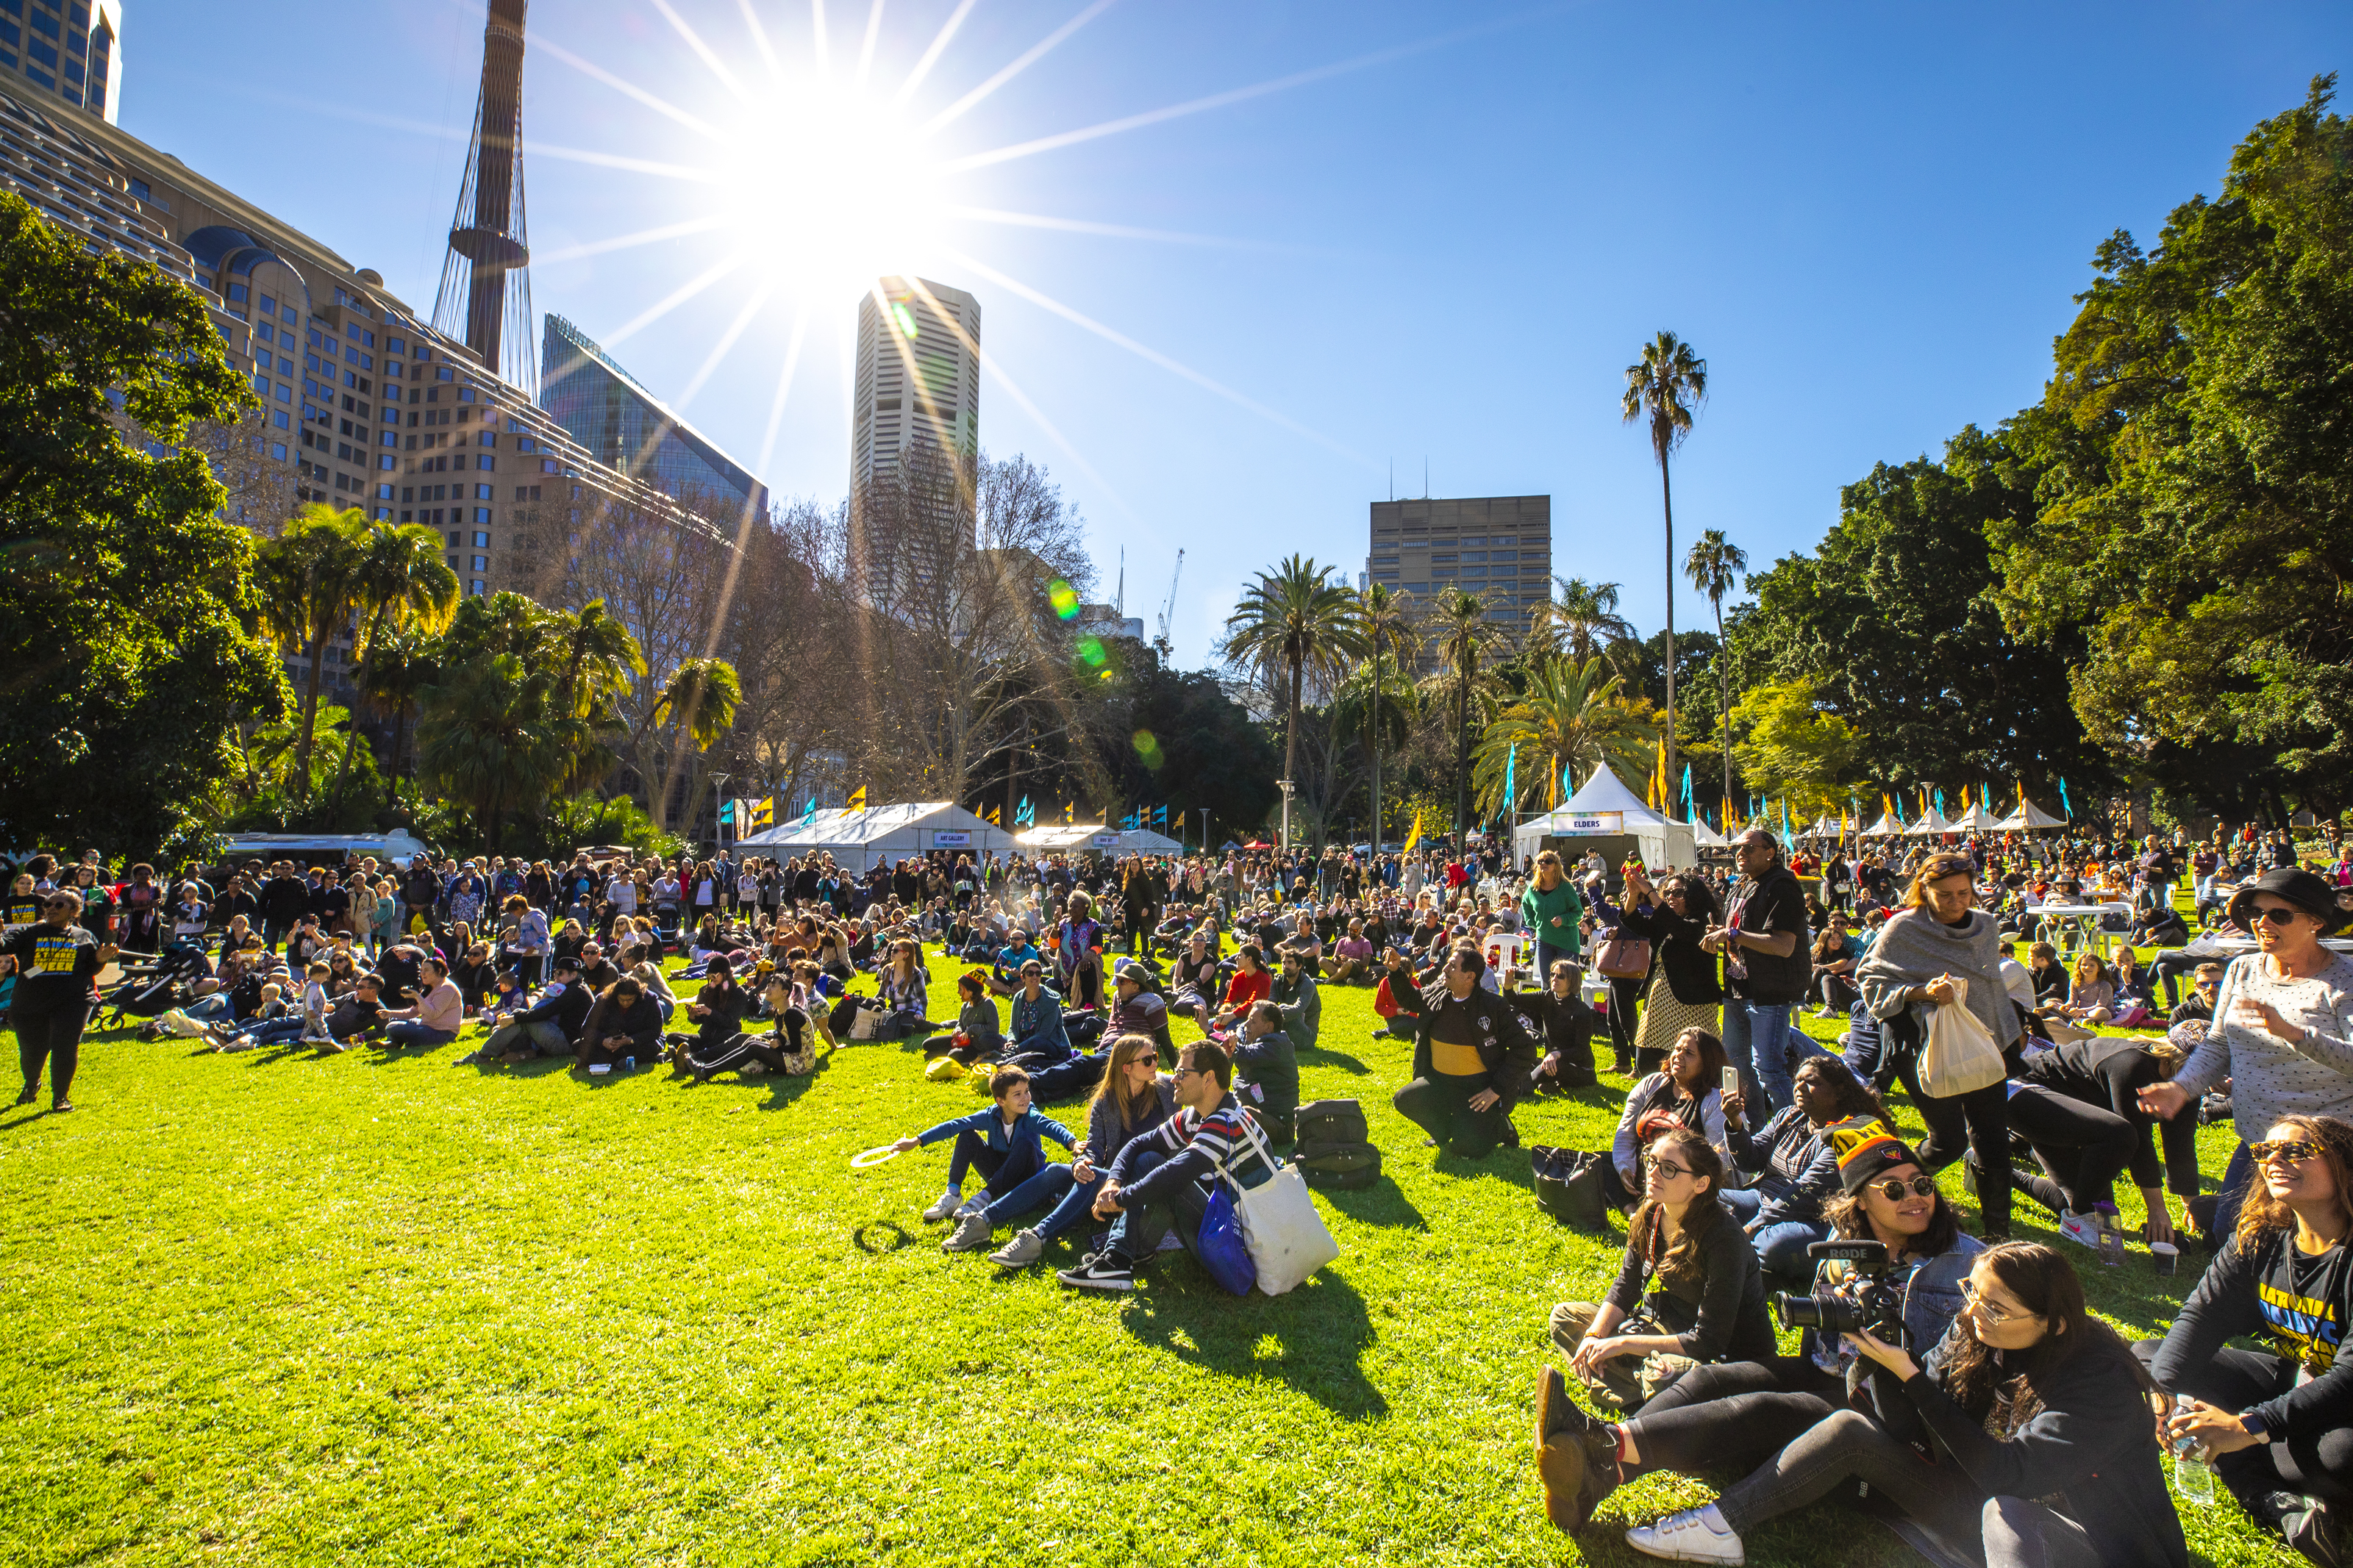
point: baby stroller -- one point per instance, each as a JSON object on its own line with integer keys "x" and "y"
{"x": 150, "y": 986}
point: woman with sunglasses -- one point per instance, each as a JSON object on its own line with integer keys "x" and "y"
{"x": 1739, "y": 1413}
{"x": 2279, "y": 1425}
{"x": 1942, "y": 951}
{"x": 2283, "y": 1028}
{"x": 56, "y": 962}
{"x": 2040, "y": 1429}
{"x": 1688, "y": 1289}
{"x": 1683, "y": 990}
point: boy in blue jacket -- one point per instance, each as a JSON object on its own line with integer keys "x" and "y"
{"x": 1006, "y": 1141}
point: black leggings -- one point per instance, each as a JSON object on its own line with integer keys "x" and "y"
{"x": 1625, "y": 995}
{"x": 2081, "y": 1148}
{"x": 1731, "y": 1415}
{"x": 53, "y": 1038}
{"x": 2316, "y": 1464}
{"x": 1979, "y": 1119}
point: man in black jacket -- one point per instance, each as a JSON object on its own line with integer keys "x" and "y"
{"x": 285, "y": 900}
{"x": 1768, "y": 965}
{"x": 548, "y": 1028}
{"x": 1472, "y": 1061}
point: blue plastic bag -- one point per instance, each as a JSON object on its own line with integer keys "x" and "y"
{"x": 1220, "y": 1246}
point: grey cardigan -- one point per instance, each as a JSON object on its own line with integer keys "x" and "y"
{"x": 1915, "y": 948}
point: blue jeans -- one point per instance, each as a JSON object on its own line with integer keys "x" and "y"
{"x": 2238, "y": 1179}
{"x": 1053, "y": 1184}
{"x": 1781, "y": 1247}
{"x": 1756, "y": 1040}
{"x": 417, "y": 1032}
{"x": 1548, "y": 955}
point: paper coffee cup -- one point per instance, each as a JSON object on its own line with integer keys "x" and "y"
{"x": 2167, "y": 1256}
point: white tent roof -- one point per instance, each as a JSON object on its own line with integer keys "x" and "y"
{"x": 1886, "y": 828}
{"x": 1934, "y": 821}
{"x": 1976, "y": 819}
{"x": 1604, "y": 807}
{"x": 1144, "y": 841}
{"x": 1707, "y": 837}
{"x": 1068, "y": 836}
{"x": 859, "y": 839}
{"x": 2027, "y": 815}
{"x": 1823, "y": 827}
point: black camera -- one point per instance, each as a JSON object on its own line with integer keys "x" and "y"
{"x": 1868, "y": 1301}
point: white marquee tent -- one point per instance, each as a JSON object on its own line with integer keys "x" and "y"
{"x": 1605, "y": 815}
{"x": 857, "y": 839}
{"x": 1933, "y": 822}
{"x": 2027, "y": 817}
{"x": 1887, "y": 826}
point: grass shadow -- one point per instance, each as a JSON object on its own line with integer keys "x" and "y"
{"x": 1323, "y": 1055}
{"x": 1383, "y": 1202}
{"x": 895, "y": 1235}
{"x": 1317, "y": 1334}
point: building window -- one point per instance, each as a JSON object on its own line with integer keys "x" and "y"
{"x": 477, "y": 587}
{"x": 481, "y": 540}
{"x": 139, "y": 192}
{"x": 480, "y": 563}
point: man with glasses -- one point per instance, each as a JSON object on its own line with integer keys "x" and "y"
{"x": 1163, "y": 1178}
{"x": 2283, "y": 1029}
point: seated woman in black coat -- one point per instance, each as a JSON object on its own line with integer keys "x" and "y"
{"x": 1564, "y": 1025}
{"x": 1689, "y": 1289}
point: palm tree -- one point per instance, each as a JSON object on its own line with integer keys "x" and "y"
{"x": 1584, "y": 616}
{"x": 599, "y": 655}
{"x": 398, "y": 580}
{"x": 309, "y": 586}
{"x": 1384, "y": 619}
{"x": 486, "y": 739}
{"x": 1572, "y": 716}
{"x": 1668, "y": 385}
{"x": 401, "y": 664}
{"x": 1712, "y": 565}
{"x": 1294, "y": 621}
{"x": 700, "y": 698}
{"x": 1458, "y": 628}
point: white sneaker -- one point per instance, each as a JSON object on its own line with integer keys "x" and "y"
{"x": 2082, "y": 1230}
{"x": 947, "y": 1206}
{"x": 1686, "y": 1537}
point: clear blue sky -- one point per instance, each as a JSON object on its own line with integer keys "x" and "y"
{"x": 1869, "y": 218}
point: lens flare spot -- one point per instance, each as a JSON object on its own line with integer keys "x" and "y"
{"x": 1065, "y": 598}
{"x": 1092, "y": 651}
{"x": 1147, "y": 747}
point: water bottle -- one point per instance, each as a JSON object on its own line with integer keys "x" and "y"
{"x": 2193, "y": 1477}
{"x": 628, "y": 1064}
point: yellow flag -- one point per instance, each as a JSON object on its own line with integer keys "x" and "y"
{"x": 1414, "y": 837}
{"x": 1070, "y": 811}
{"x": 858, "y": 800}
{"x": 1886, "y": 807}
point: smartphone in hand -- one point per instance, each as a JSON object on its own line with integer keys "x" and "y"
{"x": 1731, "y": 1081}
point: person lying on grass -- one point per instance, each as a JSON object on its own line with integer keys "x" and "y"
{"x": 1006, "y": 1143}
{"x": 1164, "y": 1179}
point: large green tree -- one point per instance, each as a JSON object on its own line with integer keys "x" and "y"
{"x": 1895, "y": 626}
{"x": 1292, "y": 623}
{"x": 2197, "y": 522}
{"x": 128, "y": 653}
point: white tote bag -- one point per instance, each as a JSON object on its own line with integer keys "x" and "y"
{"x": 1286, "y": 1238}
{"x": 1959, "y": 1055}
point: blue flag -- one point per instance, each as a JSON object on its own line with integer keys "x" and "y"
{"x": 1027, "y": 815}
{"x": 810, "y": 814}
{"x": 1510, "y": 776}
{"x": 2063, "y": 806}
{"x": 1940, "y": 803}
{"x": 1687, "y": 786}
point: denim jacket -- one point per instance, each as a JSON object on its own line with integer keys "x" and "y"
{"x": 1038, "y": 1025}
{"x": 1932, "y": 1300}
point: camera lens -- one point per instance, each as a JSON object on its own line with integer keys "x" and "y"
{"x": 1826, "y": 1314}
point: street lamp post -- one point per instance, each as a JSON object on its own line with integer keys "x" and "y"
{"x": 718, "y": 807}
{"x": 1286, "y": 786}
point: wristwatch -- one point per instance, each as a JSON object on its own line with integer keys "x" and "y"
{"x": 2254, "y": 1424}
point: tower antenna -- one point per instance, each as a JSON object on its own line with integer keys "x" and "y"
{"x": 485, "y": 293}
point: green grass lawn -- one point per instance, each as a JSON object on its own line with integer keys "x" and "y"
{"x": 380, "y": 1309}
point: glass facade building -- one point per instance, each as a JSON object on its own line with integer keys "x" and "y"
{"x": 626, "y": 427}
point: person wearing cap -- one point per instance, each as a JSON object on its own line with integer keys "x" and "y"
{"x": 548, "y": 1028}
{"x": 2283, "y": 1029}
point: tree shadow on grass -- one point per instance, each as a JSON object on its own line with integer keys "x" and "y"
{"x": 1310, "y": 1340}
{"x": 1323, "y": 1055}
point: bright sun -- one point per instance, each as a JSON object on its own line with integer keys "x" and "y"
{"x": 834, "y": 187}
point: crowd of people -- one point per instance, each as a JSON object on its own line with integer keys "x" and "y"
{"x": 1743, "y": 1149}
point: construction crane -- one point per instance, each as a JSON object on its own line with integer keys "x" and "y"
{"x": 1167, "y": 648}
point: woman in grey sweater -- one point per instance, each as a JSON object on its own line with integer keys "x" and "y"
{"x": 1134, "y": 1097}
{"x": 1938, "y": 937}
{"x": 2283, "y": 1029}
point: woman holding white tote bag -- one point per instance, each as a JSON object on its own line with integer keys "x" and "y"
{"x": 1941, "y": 950}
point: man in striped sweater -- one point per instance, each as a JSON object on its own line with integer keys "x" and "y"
{"x": 1164, "y": 1178}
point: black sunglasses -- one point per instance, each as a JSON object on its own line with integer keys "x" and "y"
{"x": 2277, "y": 914}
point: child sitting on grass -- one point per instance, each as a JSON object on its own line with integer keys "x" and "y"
{"x": 1006, "y": 1141}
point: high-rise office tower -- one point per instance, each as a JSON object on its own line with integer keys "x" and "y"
{"x": 918, "y": 377}
{"x": 625, "y": 426}
{"x": 1498, "y": 546}
{"x": 485, "y": 294}
{"x": 67, "y": 50}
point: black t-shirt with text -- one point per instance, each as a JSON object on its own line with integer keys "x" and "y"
{"x": 54, "y": 965}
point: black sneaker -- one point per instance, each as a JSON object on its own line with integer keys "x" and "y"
{"x": 1107, "y": 1272}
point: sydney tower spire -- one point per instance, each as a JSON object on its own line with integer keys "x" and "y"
{"x": 485, "y": 294}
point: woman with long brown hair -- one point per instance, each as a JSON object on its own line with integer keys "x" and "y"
{"x": 2279, "y": 1422}
{"x": 1688, "y": 1288}
{"x": 2042, "y": 1426}
{"x": 1132, "y": 1098}
{"x": 1685, "y": 990}
{"x": 1939, "y": 946}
